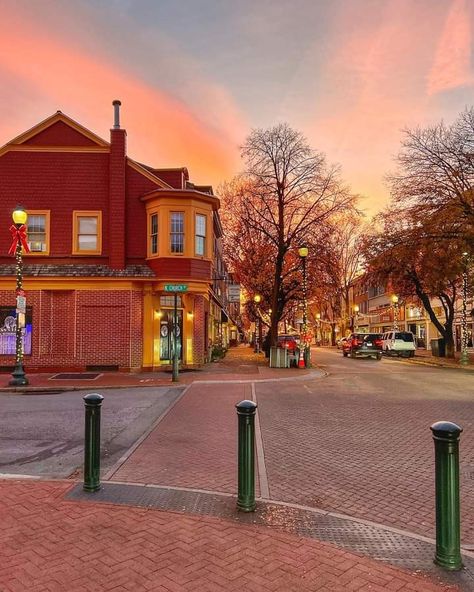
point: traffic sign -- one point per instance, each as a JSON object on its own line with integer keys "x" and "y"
{"x": 176, "y": 288}
{"x": 21, "y": 304}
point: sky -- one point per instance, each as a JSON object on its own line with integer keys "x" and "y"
{"x": 196, "y": 76}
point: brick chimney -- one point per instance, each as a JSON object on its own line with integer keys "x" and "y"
{"x": 117, "y": 192}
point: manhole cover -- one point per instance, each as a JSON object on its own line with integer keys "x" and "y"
{"x": 75, "y": 376}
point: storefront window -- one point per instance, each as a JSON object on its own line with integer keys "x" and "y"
{"x": 8, "y": 331}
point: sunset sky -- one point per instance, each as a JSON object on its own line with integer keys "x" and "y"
{"x": 195, "y": 76}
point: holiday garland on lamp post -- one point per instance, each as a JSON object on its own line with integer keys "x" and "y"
{"x": 19, "y": 243}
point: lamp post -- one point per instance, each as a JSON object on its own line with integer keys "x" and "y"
{"x": 303, "y": 253}
{"x": 175, "y": 368}
{"x": 464, "y": 359}
{"x": 356, "y": 317}
{"x": 18, "y": 231}
{"x": 257, "y": 298}
{"x": 396, "y": 310}
{"x": 318, "y": 329}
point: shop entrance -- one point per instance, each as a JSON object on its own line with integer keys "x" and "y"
{"x": 167, "y": 335}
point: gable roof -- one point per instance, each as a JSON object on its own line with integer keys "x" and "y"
{"x": 26, "y": 137}
{"x": 44, "y": 135}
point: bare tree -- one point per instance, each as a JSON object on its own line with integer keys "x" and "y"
{"x": 435, "y": 176}
{"x": 283, "y": 199}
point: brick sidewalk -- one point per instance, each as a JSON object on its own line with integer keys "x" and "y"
{"x": 240, "y": 363}
{"x": 52, "y": 545}
{"x": 194, "y": 445}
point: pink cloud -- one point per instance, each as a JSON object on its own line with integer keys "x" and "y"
{"x": 452, "y": 62}
{"x": 162, "y": 129}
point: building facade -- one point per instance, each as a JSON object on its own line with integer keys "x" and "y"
{"x": 111, "y": 240}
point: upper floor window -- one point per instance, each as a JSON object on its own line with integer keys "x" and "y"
{"x": 177, "y": 232}
{"x": 87, "y": 233}
{"x": 38, "y": 232}
{"x": 153, "y": 234}
{"x": 200, "y": 246}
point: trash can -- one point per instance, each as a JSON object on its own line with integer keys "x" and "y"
{"x": 438, "y": 347}
{"x": 279, "y": 357}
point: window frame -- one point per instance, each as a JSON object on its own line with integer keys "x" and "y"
{"x": 75, "y": 232}
{"x": 47, "y": 214}
{"x": 177, "y": 233}
{"x": 150, "y": 252}
{"x": 200, "y": 236}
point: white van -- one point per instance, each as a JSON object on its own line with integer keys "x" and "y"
{"x": 399, "y": 342}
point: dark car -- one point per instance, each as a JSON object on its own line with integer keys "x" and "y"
{"x": 363, "y": 345}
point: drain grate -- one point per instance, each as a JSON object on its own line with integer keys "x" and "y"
{"x": 76, "y": 376}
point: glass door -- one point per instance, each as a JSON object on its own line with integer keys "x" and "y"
{"x": 167, "y": 335}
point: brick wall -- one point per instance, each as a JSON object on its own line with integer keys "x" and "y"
{"x": 198, "y": 337}
{"x": 57, "y": 181}
{"x": 117, "y": 198}
{"x": 75, "y": 329}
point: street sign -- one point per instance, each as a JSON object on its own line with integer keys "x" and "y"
{"x": 176, "y": 288}
{"x": 233, "y": 292}
{"x": 21, "y": 304}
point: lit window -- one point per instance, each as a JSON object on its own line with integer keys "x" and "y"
{"x": 177, "y": 232}
{"x": 87, "y": 233}
{"x": 38, "y": 232}
{"x": 154, "y": 234}
{"x": 200, "y": 234}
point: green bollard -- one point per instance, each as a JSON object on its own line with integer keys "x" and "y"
{"x": 448, "y": 521}
{"x": 93, "y": 404}
{"x": 246, "y": 472}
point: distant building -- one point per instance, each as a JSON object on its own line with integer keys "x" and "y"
{"x": 110, "y": 238}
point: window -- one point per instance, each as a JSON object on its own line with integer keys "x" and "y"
{"x": 200, "y": 234}
{"x": 177, "y": 232}
{"x": 153, "y": 234}
{"x": 87, "y": 227}
{"x": 38, "y": 232}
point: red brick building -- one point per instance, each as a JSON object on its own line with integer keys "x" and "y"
{"x": 108, "y": 236}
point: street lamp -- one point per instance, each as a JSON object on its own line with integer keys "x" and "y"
{"x": 395, "y": 312}
{"x": 303, "y": 253}
{"x": 464, "y": 359}
{"x": 257, "y": 298}
{"x": 356, "y": 317}
{"x": 19, "y": 238}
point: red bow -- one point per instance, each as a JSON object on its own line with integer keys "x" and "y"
{"x": 19, "y": 236}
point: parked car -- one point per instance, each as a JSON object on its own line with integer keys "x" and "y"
{"x": 368, "y": 345}
{"x": 340, "y": 342}
{"x": 399, "y": 343}
{"x": 292, "y": 344}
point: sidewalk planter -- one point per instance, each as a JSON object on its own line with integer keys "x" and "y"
{"x": 279, "y": 357}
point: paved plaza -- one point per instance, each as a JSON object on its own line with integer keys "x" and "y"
{"x": 344, "y": 487}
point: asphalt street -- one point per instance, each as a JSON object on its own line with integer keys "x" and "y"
{"x": 43, "y": 434}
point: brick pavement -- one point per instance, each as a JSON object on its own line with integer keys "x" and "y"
{"x": 194, "y": 445}
{"x": 363, "y": 452}
{"x": 49, "y": 544}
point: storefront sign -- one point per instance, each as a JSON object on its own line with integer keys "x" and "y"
{"x": 233, "y": 292}
{"x": 176, "y": 288}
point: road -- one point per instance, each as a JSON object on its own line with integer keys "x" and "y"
{"x": 43, "y": 434}
{"x": 358, "y": 441}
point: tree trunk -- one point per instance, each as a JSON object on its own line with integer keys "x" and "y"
{"x": 276, "y": 313}
{"x": 449, "y": 343}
